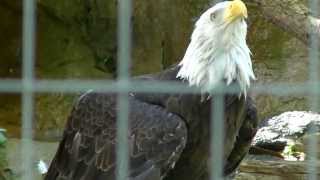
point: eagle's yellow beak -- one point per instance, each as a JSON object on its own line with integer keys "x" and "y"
{"x": 235, "y": 10}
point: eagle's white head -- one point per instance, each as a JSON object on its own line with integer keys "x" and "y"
{"x": 218, "y": 52}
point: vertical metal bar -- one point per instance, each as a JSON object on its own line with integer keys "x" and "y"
{"x": 124, "y": 56}
{"x": 313, "y": 100}
{"x": 122, "y": 135}
{"x": 314, "y": 57}
{"x": 29, "y": 21}
{"x": 217, "y": 136}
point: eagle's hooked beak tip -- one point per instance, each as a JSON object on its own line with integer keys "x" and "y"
{"x": 236, "y": 9}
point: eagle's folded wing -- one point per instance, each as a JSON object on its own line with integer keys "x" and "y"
{"x": 88, "y": 148}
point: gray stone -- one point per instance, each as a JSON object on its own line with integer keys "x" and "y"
{"x": 288, "y": 130}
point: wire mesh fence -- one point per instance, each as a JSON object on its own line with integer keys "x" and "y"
{"x": 314, "y": 100}
{"x": 29, "y": 85}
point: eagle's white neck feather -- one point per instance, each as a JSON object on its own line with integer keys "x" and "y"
{"x": 217, "y": 54}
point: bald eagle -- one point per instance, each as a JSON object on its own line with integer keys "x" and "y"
{"x": 169, "y": 133}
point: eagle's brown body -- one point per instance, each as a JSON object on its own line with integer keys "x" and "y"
{"x": 240, "y": 118}
{"x": 161, "y": 126}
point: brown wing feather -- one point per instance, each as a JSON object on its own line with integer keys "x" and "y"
{"x": 87, "y": 150}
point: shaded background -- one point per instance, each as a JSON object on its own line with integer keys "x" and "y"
{"x": 77, "y": 39}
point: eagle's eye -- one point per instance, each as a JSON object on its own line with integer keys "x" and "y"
{"x": 213, "y": 16}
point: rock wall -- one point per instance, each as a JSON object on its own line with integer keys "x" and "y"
{"x": 77, "y": 39}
